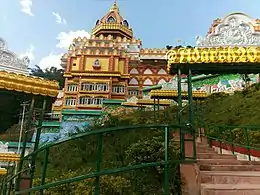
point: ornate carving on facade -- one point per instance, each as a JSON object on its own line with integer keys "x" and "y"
{"x": 10, "y": 62}
{"x": 233, "y": 31}
{"x": 96, "y": 64}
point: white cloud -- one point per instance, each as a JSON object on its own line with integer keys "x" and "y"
{"x": 52, "y": 60}
{"x": 26, "y": 7}
{"x": 64, "y": 41}
{"x": 29, "y": 53}
{"x": 59, "y": 19}
{"x": 66, "y": 38}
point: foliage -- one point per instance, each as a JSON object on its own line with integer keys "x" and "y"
{"x": 110, "y": 185}
{"x": 51, "y": 73}
{"x": 238, "y": 109}
{"x": 120, "y": 149}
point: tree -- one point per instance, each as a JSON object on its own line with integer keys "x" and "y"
{"x": 51, "y": 73}
{"x": 120, "y": 149}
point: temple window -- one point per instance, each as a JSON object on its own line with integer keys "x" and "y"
{"x": 86, "y": 86}
{"x": 70, "y": 101}
{"x": 133, "y": 92}
{"x": 72, "y": 87}
{"x": 94, "y": 87}
{"x": 86, "y": 100}
{"x": 102, "y": 87}
{"x": 111, "y": 20}
{"x": 118, "y": 89}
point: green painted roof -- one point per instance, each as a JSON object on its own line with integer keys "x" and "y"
{"x": 110, "y": 101}
{"x": 201, "y": 77}
{"x": 86, "y": 112}
{"x": 152, "y": 87}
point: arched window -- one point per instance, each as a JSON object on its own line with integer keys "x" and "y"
{"x": 111, "y": 19}
{"x": 97, "y": 23}
{"x": 125, "y": 23}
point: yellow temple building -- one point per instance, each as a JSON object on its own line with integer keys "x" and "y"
{"x": 111, "y": 64}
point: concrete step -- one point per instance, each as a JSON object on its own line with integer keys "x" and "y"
{"x": 230, "y": 189}
{"x": 230, "y": 177}
{"x": 215, "y": 156}
{"x": 199, "y": 145}
{"x": 208, "y": 167}
{"x": 227, "y": 162}
{"x": 205, "y": 150}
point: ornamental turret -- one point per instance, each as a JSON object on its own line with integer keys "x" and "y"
{"x": 113, "y": 23}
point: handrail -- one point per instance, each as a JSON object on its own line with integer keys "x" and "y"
{"x": 98, "y": 131}
{"x": 98, "y": 172}
{"x": 225, "y": 134}
{"x": 237, "y": 126}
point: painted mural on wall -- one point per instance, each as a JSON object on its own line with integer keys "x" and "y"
{"x": 74, "y": 123}
{"x": 47, "y": 137}
{"x": 69, "y": 125}
{"x": 49, "y": 134}
{"x": 224, "y": 83}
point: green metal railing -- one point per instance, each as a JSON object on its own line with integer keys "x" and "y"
{"x": 236, "y": 138}
{"x": 98, "y": 172}
{"x": 183, "y": 130}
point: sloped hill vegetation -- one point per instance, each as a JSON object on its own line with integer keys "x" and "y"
{"x": 242, "y": 108}
{"x": 139, "y": 146}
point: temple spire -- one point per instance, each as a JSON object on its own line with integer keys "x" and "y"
{"x": 114, "y": 7}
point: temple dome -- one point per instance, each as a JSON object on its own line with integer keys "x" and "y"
{"x": 10, "y": 62}
{"x": 113, "y": 23}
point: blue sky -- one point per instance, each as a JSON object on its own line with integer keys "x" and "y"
{"x": 31, "y": 27}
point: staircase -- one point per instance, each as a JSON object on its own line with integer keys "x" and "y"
{"x": 222, "y": 174}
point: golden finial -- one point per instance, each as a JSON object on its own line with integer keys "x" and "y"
{"x": 114, "y": 7}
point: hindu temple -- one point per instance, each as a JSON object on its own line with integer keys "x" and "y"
{"x": 112, "y": 67}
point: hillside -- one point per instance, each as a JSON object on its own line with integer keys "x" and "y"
{"x": 144, "y": 145}
{"x": 242, "y": 108}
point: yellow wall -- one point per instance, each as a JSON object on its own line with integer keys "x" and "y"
{"x": 104, "y": 62}
{"x": 77, "y": 62}
{"x": 121, "y": 65}
{"x": 116, "y": 64}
